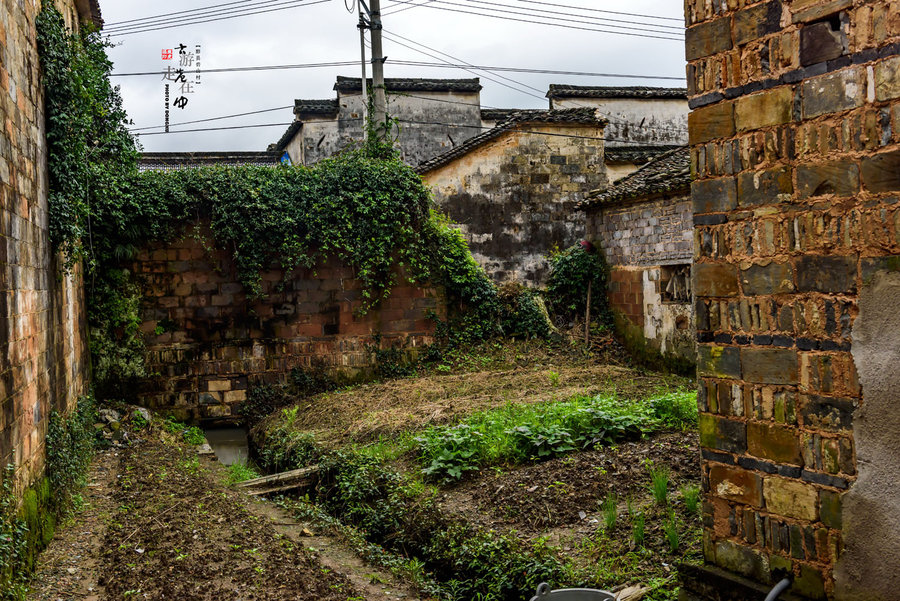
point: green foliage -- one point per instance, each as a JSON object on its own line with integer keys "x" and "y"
{"x": 670, "y": 530}
{"x": 13, "y": 542}
{"x": 514, "y": 434}
{"x": 239, "y": 472}
{"x": 659, "y": 484}
{"x": 522, "y": 312}
{"x": 691, "y": 496}
{"x": 638, "y": 527}
{"x": 283, "y": 447}
{"x": 610, "y": 511}
{"x": 677, "y": 409}
{"x": 87, "y": 140}
{"x": 71, "y": 441}
{"x": 194, "y": 436}
{"x": 567, "y": 285}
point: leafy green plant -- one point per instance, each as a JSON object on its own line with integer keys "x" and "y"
{"x": 677, "y": 409}
{"x": 13, "y": 542}
{"x": 691, "y": 495}
{"x": 522, "y": 312}
{"x": 638, "y": 527}
{"x": 659, "y": 484}
{"x": 571, "y": 271}
{"x": 553, "y": 377}
{"x": 239, "y": 472}
{"x": 610, "y": 511}
{"x": 193, "y": 436}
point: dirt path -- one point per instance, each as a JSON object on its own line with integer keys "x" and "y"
{"x": 160, "y": 523}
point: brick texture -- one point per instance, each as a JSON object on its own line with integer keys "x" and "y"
{"x": 208, "y": 342}
{"x": 797, "y": 102}
{"x": 43, "y": 362}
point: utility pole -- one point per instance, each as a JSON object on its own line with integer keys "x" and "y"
{"x": 362, "y": 51}
{"x": 379, "y": 114}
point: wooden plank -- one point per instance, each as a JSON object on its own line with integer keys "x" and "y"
{"x": 282, "y": 478}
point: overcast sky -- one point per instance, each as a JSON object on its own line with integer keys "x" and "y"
{"x": 326, "y": 32}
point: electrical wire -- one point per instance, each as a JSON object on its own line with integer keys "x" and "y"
{"x": 294, "y": 4}
{"x": 400, "y": 10}
{"x": 277, "y": 108}
{"x": 434, "y": 4}
{"x": 246, "y": 8}
{"x": 600, "y": 20}
{"x": 181, "y": 12}
{"x": 600, "y": 10}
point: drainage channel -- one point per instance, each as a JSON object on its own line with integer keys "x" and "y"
{"x": 229, "y": 444}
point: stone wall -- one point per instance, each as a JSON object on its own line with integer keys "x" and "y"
{"x": 641, "y": 242}
{"x": 514, "y": 197}
{"x": 208, "y": 342}
{"x": 43, "y": 351}
{"x": 795, "y": 134}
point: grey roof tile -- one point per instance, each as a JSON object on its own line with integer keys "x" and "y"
{"x": 352, "y": 84}
{"x": 567, "y": 91}
{"x": 669, "y": 173}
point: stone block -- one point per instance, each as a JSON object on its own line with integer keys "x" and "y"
{"x": 887, "y": 79}
{"x": 769, "y": 365}
{"x": 771, "y": 107}
{"x": 777, "y": 443}
{"x": 818, "y": 273}
{"x": 742, "y": 560}
{"x": 832, "y": 93}
{"x": 711, "y": 122}
{"x": 830, "y": 509}
{"x": 753, "y": 23}
{"x": 833, "y": 177}
{"x": 715, "y": 279}
{"x": 735, "y": 484}
{"x": 803, "y": 11}
{"x": 218, "y": 385}
{"x": 764, "y": 186}
{"x": 810, "y": 584}
{"x": 714, "y": 195}
{"x": 881, "y": 172}
{"x": 828, "y": 413}
{"x": 774, "y": 278}
{"x": 722, "y": 434}
{"x": 707, "y": 38}
{"x": 719, "y": 361}
{"x": 819, "y": 43}
{"x": 790, "y": 498}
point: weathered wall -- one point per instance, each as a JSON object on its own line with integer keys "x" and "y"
{"x": 43, "y": 351}
{"x": 514, "y": 197}
{"x": 795, "y": 135}
{"x": 637, "y": 120}
{"x": 422, "y": 133}
{"x": 209, "y": 342}
{"x": 637, "y": 238}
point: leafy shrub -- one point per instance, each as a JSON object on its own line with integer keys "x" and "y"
{"x": 71, "y": 441}
{"x": 194, "y": 436}
{"x": 570, "y": 272}
{"x": 677, "y": 409}
{"x": 522, "y": 312}
{"x": 284, "y": 448}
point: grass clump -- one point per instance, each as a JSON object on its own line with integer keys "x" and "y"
{"x": 240, "y": 472}
{"x": 670, "y": 530}
{"x": 610, "y": 511}
{"x": 659, "y": 484}
{"x": 691, "y": 496}
{"x": 638, "y": 527}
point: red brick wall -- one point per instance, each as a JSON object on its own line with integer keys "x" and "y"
{"x": 626, "y": 293}
{"x": 795, "y": 134}
{"x": 217, "y": 342}
{"x": 43, "y": 350}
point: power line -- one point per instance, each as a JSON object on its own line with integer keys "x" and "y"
{"x": 277, "y": 108}
{"x": 434, "y": 4}
{"x": 187, "y": 131}
{"x": 599, "y": 10}
{"x": 601, "y": 20}
{"x": 181, "y": 12}
{"x": 400, "y": 10}
{"x": 248, "y": 14}
{"x": 201, "y": 14}
{"x": 468, "y": 68}
{"x": 444, "y": 65}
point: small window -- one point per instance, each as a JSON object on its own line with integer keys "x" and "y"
{"x": 675, "y": 283}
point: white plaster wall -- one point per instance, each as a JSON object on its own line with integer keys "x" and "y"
{"x": 656, "y": 120}
{"x": 661, "y": 320}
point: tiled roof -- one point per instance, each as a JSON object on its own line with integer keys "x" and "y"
{"x": 326, "y": 106}
{"x": 579, "y": 116}
{"x": 668, "y": 173}
{"x": 352, "y": 84}
{"x": 286, "y": 138}
{"x": 175, "y": 161}
{"x": 638, "y": 154}
{"x": 503, "y": 114}
{"x": 567, "y": 91}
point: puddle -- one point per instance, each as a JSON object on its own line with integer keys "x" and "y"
{"x": 229, "y": 444}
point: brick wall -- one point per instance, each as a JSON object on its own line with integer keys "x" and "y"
{"x": 795, "y": 134}
{"x": 652, "y": 232}
{"x": 626, "y": 294}
{"x": 43, "y": 352}
{"x": 208, "y": 342}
